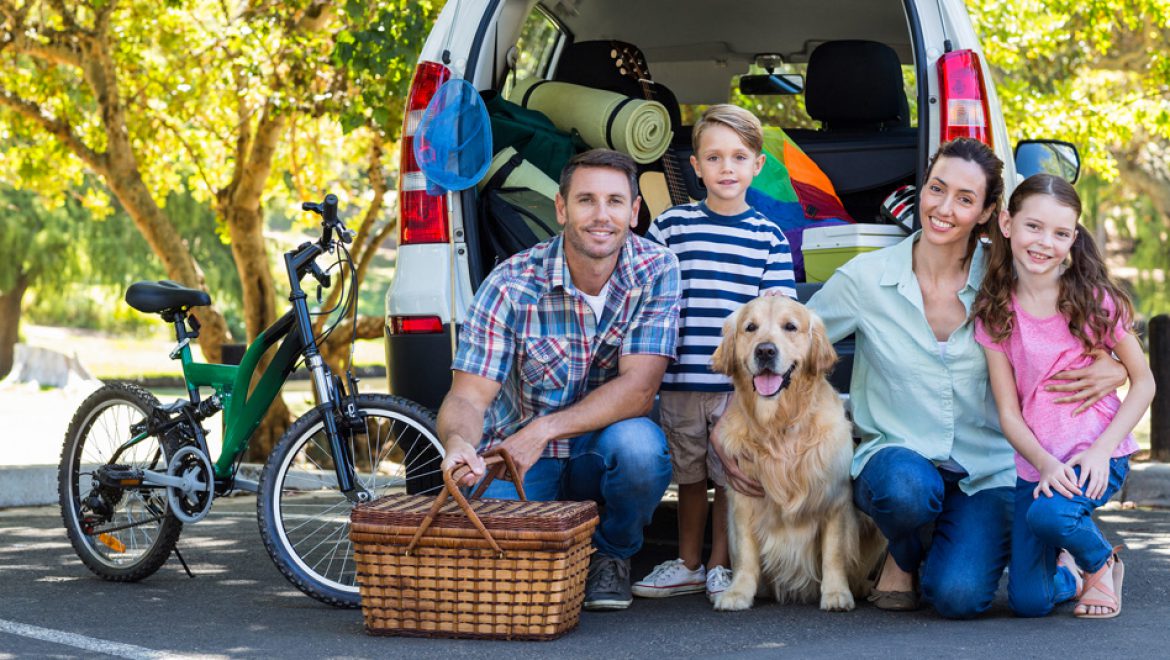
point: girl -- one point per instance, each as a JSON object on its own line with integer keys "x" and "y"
{"x": 1047, "y": 304}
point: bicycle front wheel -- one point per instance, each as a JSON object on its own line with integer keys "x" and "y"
{"x": 120, "y": 534}
{"x": 304, "y": 518}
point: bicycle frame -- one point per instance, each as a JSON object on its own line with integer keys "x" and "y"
{"x": 243, "y": 410}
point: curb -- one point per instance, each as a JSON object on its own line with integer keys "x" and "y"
{"x": 28, "y": 485}
{"x": 1148, "y": 484}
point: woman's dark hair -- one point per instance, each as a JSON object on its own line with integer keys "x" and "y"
{"x": 1084, "y": 285}
{"x": 974, "y": 151}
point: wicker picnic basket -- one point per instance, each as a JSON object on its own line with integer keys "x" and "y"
{"x": 488, "y": 569}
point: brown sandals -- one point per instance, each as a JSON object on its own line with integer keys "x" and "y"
{"x": 1105, "y": 597}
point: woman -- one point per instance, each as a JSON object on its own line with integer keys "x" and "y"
{"x": 933, "y": 469}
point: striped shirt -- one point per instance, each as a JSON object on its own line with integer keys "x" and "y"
{"x": 724, "y": 261}
{"x": 532, "y": 331}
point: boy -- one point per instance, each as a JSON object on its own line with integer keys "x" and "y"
{"x": 728, "y": 254}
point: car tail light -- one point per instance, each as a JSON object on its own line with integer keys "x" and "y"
{"x": 422, "y": 218}
{"x": 964, "y": 99}
{"x": 414, "y": 325}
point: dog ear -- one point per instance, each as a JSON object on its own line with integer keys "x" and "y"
{"x": 822, "y": 355}
{"x": 723, "y": 359}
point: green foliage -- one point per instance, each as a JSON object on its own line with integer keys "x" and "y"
{"x": 377, "y": 48}
{"x": 1095, "y": 73}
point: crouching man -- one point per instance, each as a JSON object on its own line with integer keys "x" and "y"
{"x": 559, "y": 360}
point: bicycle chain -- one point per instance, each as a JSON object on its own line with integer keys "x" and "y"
{"x": 118, "y": 528}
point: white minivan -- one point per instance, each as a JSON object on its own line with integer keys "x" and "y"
{"x": 874, "y": 87}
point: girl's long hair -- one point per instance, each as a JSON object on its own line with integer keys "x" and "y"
{"x": 1084, "y": 285}
{"x": 974, "y": 151}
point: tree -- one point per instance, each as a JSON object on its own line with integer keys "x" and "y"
{"x": 148, "y": 96}
{"x": 60, "y": 69}
{"x": 1095, "y": 73}
{"x": 45, "y": 247}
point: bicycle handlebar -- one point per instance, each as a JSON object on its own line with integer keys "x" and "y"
{"x": 327, "y": 209}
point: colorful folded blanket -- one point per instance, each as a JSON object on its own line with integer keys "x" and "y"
{"x": 793, "y": 192}
{"x": 603, "y": 119}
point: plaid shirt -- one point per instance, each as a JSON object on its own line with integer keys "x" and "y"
{"x": 530, "y": 330}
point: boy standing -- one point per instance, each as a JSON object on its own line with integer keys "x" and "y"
{"x": 728, "y": 254}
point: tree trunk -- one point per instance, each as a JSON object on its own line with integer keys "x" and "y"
{"x": 365, "y": 246}
{"x": 240, "y": 207}
{"x": 119, "y": 168}
{"x": 10, "y": 321}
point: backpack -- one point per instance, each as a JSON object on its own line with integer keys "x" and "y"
{"x": 513, "y": 218}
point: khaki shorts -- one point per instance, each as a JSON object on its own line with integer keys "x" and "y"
{"x": 687, "y": 420}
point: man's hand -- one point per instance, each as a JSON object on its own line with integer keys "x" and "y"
{"x": 526, "y": 445}
{"x": 461, "y": 452}
{"x": 1089, "y": 384}
{"x": 739, "y": 482}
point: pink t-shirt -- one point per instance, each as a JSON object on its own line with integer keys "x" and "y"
{"x": 1037, "y": 349}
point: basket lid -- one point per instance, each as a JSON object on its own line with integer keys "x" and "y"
{"x": 555, "y": 518}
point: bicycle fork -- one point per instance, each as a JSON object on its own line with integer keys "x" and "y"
{"x": 330, "y": 403}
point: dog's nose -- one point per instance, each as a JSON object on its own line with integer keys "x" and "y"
{"x": 766, "y": 352}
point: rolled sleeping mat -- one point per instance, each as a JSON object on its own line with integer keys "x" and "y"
{"x": 526, "y": 175}
{"x": 603, "y": 119}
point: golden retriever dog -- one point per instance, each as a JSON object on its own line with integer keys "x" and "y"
{"x": 786, "y": 428}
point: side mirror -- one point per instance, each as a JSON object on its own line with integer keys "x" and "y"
{"x": 771, "y": 84}
{"x": 1049, "y": 157}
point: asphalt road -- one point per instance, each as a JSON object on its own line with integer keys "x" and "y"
{"x": 240, "y": 606}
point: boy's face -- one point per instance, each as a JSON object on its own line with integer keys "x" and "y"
{"x": 726, "y": 165}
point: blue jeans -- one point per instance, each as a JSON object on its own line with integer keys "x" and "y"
{"x": 1044, "y": 525}
{"x": 624, "y": 467}
{"x": 959, "y": 541}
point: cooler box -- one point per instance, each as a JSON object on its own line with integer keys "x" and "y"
{"x": 826, "y": 249}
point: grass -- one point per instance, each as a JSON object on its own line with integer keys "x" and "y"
{"x": 109, "y": 356}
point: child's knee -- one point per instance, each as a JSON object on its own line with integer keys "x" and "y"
{"x": 1052, "y": 519}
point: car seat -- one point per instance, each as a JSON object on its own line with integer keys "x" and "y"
{"x": 865, "y": 144}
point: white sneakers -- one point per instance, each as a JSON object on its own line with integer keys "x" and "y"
{"x": 718, "y": 579}
{"x": 673, "y": 578}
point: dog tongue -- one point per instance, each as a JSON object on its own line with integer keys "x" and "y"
{"x": 768, "y": 383}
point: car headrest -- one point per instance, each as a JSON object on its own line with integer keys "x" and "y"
{"x": 615, "y": 66}
{"x": 855, "y": 84}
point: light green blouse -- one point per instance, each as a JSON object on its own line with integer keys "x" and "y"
{"x": 905, "y": 392}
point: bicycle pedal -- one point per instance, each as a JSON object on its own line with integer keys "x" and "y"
{"x": 118, "y": 476}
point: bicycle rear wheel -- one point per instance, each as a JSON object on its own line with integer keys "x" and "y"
{"x": 304, "y": 518}
{"x": 130, "y": 532}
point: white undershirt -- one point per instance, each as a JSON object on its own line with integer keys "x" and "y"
{"x": 596, "y": 303}
{"x": 942, "y": 349}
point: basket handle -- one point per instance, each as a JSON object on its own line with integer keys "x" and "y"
{"x": 498, "y": 460}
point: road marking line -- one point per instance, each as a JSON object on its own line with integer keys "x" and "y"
{"x": 80, "y": 641}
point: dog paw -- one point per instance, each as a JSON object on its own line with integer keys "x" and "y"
{"x": 733, "y": 601}
{"x": 837, "y": 601}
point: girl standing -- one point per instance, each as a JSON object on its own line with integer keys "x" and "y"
{"x": 1047, "y": 304}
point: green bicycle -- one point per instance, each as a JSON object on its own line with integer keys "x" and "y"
{"x": 133, "y": 471}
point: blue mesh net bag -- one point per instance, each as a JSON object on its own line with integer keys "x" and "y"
{"x": 453, "y": 145}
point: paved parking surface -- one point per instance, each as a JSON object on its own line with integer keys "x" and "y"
{"x": 240, "y": 606}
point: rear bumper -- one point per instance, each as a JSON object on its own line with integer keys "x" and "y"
{"x": 418, "y": 367}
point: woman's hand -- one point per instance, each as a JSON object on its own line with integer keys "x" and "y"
{"x": 1057, "y": 476}
{"x": 1094, "y": 463}
{"x": 1090, "y": 384}
{"x": 739, "y": 482}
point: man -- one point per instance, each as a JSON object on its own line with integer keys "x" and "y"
{"x": 559, "y": 360}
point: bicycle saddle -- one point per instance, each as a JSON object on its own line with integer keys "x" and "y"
{"x": 154, "y": 297}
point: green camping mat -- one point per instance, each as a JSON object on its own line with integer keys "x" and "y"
{"x": 603, "y": 119}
